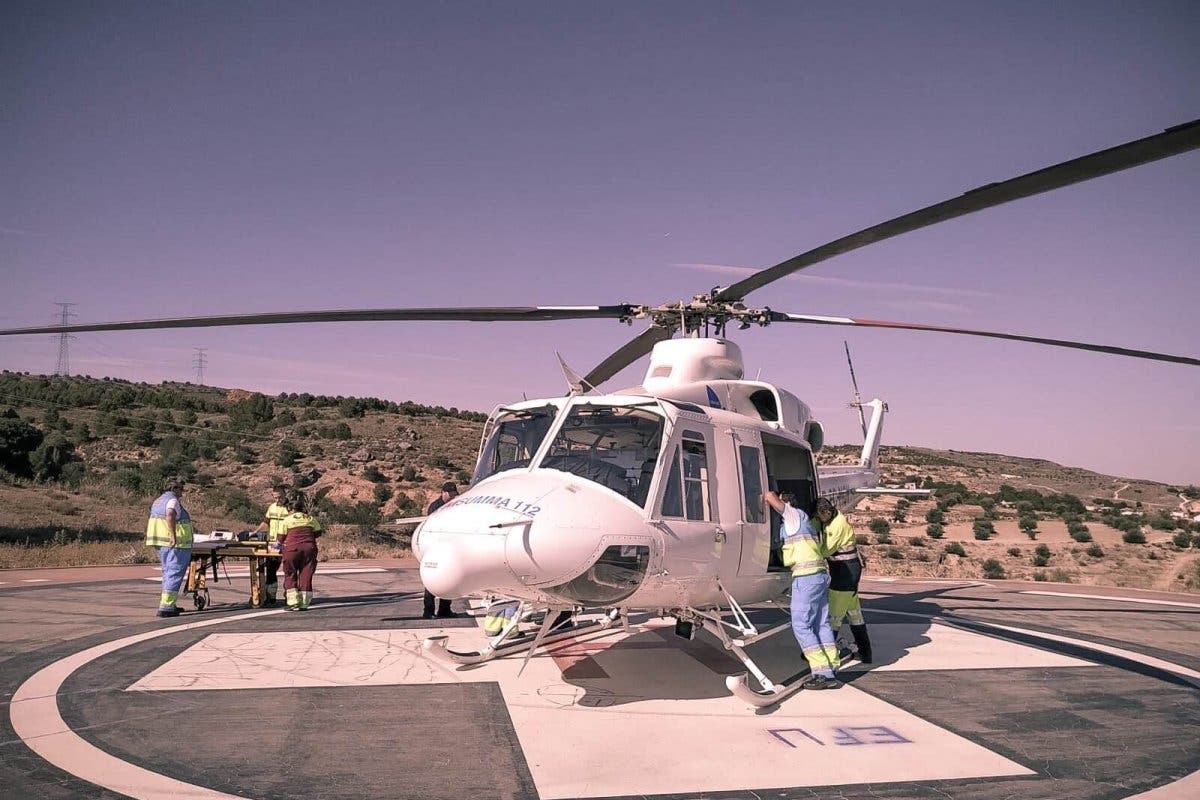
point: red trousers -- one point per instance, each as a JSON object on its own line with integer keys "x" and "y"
{"x": 299, "y": 564}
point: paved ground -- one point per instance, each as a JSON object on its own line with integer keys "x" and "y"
{"x": 978, "y": 691}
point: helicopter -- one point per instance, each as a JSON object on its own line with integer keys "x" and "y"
{"x": 650, "y": 499}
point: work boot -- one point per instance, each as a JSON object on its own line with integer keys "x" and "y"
{"x": 863, "y": 642}
{"x": 173, "y": 611}
{"x": 820, "y": 682}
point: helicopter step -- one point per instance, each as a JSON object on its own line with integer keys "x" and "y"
{"x": 510, "y": 641}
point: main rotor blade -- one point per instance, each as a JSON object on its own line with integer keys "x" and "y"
{"x": 909, "y": 326}
{"x": 515, "y": 314}
{"x": 634, "y": 349}
{"x": 1172, "y": 141}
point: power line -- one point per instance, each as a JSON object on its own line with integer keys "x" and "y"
{"x": 199, "y": 362}
{"x": 63, "y": 367}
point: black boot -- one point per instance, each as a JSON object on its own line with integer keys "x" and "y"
{"x": 863, "y": 642}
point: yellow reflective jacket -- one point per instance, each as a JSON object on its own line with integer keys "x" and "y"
{"x": 839, "y": 537}
{"x": 802, "y": 549}
{"x": 276, "y": 514}
{"x": 158, "y": 533}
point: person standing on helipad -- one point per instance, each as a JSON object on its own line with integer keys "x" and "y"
{"x": 300, "y": 532}
{"x": 272, "y": 523}
{"x": 803, "y": 551}
{"x": 449, "y": 492}
{"x": 169, "y": 532}
{"x": 845, "y": 571}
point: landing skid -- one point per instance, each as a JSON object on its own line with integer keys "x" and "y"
{"x": 767, "y": 692}
{"x": 510, "y": 642}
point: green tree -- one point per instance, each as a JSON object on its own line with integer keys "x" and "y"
{"x": 288, "y": 454}
{"x": 18, "y": 440}
{"x": 249, "y": 414}
{"x": 51, "y": 457}
{"x": 935, "y": 516}
{"x": 934, "y": 530}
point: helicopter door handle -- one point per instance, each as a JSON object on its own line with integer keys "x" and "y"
{"x": 720, "y": 537}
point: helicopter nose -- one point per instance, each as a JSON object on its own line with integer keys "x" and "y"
{"x": 456, "y": 566}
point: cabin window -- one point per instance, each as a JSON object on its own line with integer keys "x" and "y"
{"x": 687, "y": 493}
{"x": 752, "y": 486}
{"x": 514, "y": 440}
{"x": 790, "y": 468}
{"x": 614, "y": 446}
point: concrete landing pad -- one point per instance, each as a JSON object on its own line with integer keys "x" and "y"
{"x": 625, "y": 733}
{"x": 977, "y": 692}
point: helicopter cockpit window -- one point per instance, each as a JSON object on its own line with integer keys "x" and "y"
{"x": 514, "y": 440}
{"x": 687, "y": 491}
{"x": 614, "y": 446}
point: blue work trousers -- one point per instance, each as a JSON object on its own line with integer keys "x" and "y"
{"x": 810, "y": 622}
{"x": 175, "y": 562}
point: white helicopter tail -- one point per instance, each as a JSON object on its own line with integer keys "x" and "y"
{"x": 873, "y": 434}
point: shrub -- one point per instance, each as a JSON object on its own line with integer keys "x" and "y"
{"x": 895, "y": 553}
{"x": 983, "y": 529}
{"x": 1182, "y": 540}
{"x": 917, "y": 541}
{"x": 1081, "y": 535}
{"x": 373, "y": 474}
{"x": 884, "y": 538}
{"x": 934, "y": 530}
{"x": 409, "y": 473}
{"x": 1042, "y": 550}
{"x": 921, "y": 555}
{"x": 935, "y": 516}
{"x": 463, "y": 477}
{"x": 382, "y": 493}
{"x": 1040, "y": 560}
{"x": 1014, "y": 551}
{"x": 1096, "y": 551}
{"x": 955, "y": 549}
{"x": 288, "y": 454}
{"x": 1061, "y": 576}
{"x": 993, "y": 569}
{"x": 1039, "y": 576}
{"x": 1133, "y": 537}
{"x": 879, "y": 526}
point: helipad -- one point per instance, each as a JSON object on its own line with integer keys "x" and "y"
{"x": 977, "y": 691}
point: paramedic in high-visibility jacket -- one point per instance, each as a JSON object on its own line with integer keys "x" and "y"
{"x": 804, "y": 552}
{"x": 169, "y": 531}
{"x": 845, "y": 571}
{"x": 272, "y": 523}
{"x": 300, "y": 532}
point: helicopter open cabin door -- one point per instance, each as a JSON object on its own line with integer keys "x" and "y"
{"x": 755, "y": 519}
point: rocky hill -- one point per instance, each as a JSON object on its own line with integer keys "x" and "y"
{"x": 80, "y": 458}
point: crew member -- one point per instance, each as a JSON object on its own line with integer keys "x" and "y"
{"x": 804, "y": 553}
{"x": 169, "y": 531}
{"x": 300, "y": 532}
{"x": 449, "y": 492}
{"x": 845, "y": 571}
{"x": 273, "y": 524}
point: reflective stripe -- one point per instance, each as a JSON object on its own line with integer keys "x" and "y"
{"x": 844, "y": 555}
{"x": 158, "y": 534}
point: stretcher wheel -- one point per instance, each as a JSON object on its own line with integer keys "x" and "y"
{"x": 200, "y": 600}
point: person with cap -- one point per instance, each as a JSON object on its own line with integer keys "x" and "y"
{"x": 299, "y": 537}
{"x": 803, "y": 551}
{"x": 845, "y": 571}
{"x": 272, "y": 523}
{"x": 449, "y": 492}
{"x": 169, "y": 531}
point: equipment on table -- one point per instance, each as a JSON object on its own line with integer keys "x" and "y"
{"x": 215, "y": 549}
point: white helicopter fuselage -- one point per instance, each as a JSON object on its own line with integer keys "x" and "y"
{"x": 647, "y": 499}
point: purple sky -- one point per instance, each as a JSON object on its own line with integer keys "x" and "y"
{"x": 166, "y": 159}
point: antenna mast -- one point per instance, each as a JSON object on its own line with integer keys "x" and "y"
{"x": 862, "y": 418}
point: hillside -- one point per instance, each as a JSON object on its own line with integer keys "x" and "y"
{"x": 80, "y": 494}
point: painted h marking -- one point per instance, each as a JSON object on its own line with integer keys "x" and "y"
{"x": 851, "y": 736}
